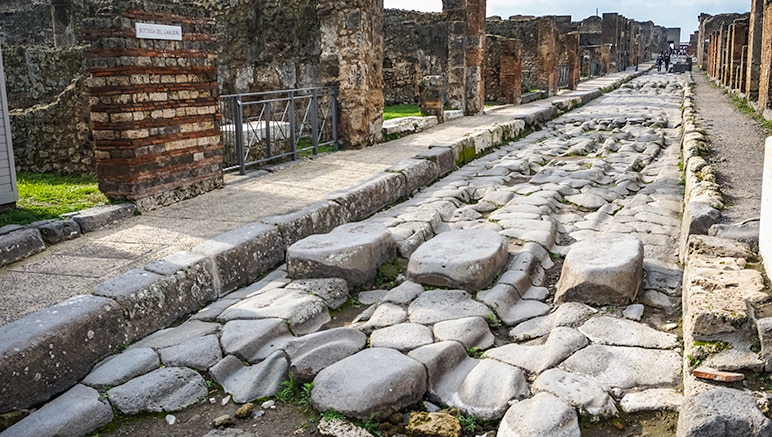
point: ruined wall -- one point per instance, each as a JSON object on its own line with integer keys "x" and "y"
{"x": 267, "y": 45}
{"x": 154, "y": 105}
{"x": 765, "y": 81}
{"x": 753, "y": 67}
{"x": 525, "y": 30}
{"x": 415, "y": 45}
{"x": 26, "y": 22}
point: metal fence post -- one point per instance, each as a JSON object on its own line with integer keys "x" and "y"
{"x": 334, "y": 103}
{"x": 267, "y": 106}
{"x": 292, "y": 138}
{"x": 238, "y": 129}
{"x": 314, "y": 122}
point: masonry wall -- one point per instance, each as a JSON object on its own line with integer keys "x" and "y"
{"x": 525, "y": 30}
{"x": 502, "y": 70}
{"x": 415, "y": 45}
{"x": 153, "y": 103}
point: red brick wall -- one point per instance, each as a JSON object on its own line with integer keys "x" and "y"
{"x": 154, "y": 106}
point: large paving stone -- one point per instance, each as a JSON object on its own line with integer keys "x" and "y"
{"x": 403, "y": 337}
{"x": 439, "y": 305}
{"x": 620, "y": 332}
{"x": 50, "y": 350}
{"x": 303, "y": 312}
{"x": 79, "y": 411}
{"x": 117, "y": 369}
{"x": 312, "y": 353}
{"x": 247, "y": 383}
{"x": 605, "y": 271}
{"x": 578, "y": 391}
{"x": 240, "y": 256}
{"x": 178, "y": 335}
{"x": 334, "y": 291}
{"x": 539, "y": 416}
{"x": 386, "y": 314}
{"x": 373, "y": 383}
{"x": 568, "y": 314}
{"x": 626, "y": 367}
{"x": 55, "y": 230}
{"x": 561, "y": 343}
{"x": 254, "y": 340}
{"x": 166, "y": 389}
{"x": 722, "y": 412}
{"x": 480, "y": 388}
{"x": 353, "y": 251}
{"x": 467, "y": 259}
{"x": 98, "y": 217}
{"x": 655, "y": 399}
{"x": 471, "y": 332}
{"x": 198, "y": 353}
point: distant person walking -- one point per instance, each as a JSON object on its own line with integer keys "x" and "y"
{"x": 660, "y": 60}
{"x": 667, "y": 62}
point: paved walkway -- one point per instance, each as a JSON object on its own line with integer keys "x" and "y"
{"x": 76, "y": 267}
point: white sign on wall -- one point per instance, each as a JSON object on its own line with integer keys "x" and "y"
{"x": 158, "y": 31}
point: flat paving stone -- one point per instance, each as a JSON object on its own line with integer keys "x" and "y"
{"x": 198, "y": 353}
{"x": 254, "y": 340}
{"x": 166, "y": 389}
{"x": 434, "y": 306}
{"x": 312, "y": 353}
{"x": 561, "y": 343}
{"x": 542, "y": 415}
{"x": 656, "y": 399}
{"x": 247, "y": 383}
{"x": 621, "y": 332}
{"x": 303, "y": 312}
{"x": 403, "y": 337}
{"x": 568, "y": 314}
{"x": 119, "y": 368}
{"x": 578, "y": 391}
{"x": 472, "y": 332}
{"x": 626, "y": 367}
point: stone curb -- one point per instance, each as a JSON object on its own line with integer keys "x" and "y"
{"x": 705, "y": 263}
{"x": 20, "y": 242}
{"x": 139, "y": 302}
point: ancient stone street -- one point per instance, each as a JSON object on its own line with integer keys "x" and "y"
{"x": 481, "y": 250}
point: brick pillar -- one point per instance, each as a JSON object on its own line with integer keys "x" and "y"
{"x": 352, "y": 60}
{"x": 154, "y": 104}
{"x": 739, "y": 39}
{"x": 610, "y": 37}
{"x": 753, "y": 64}
{"x": 548, "y": 51}
{"x": 475, "y": 57}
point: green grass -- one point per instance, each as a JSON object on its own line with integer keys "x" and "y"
{"x": 397, "y": 111}
{"x": 45, "y": 196}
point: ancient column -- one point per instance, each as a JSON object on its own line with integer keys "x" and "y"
{"x": 548, "y": 55}
{"x": 571, "y": 58}
{"x": 475, "y": 57}
{"x": 352, "y": 61}
{"x": 455, "y": 13}
{"x": 511, "y": 73}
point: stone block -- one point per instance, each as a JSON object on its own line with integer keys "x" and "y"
{"x": 418, "y": 173}
{"x": 723, "y": 411}
{"x": 604, "y": 271}
{"x": 55, "y": 231}
{"x": 164, "y": 390}
{"x": 442, "y": 156}
{"x": 353, "y": 252}
{"x": 247, "y": 383}
{"x": 242, "y": 255}
{"x": 467, "y": 259}
{"x": 98, "y": 217}
{"x": 150, "y": 301}
{"x": 369, "y": 197}
{"x": 79, "y": 411}
{"x": 50, "y": 350}
{"x": 317, "y": 218}
{"x": 20, "y": 244}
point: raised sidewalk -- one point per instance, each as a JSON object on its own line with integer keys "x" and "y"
{"x": 98, "y": 293}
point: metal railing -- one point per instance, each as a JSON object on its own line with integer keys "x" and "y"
{"x": 564, "y": 72}
{"x": 275, "y": 126}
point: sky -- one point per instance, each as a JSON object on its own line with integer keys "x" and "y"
{"x": 668, "y": 13}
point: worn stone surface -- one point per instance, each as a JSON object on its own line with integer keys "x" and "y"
{"x": 472, "y": 332}
{"x": 304, "y": 313}
{"x": 568, "y": 314}
{"x": 433, "y": 424}
{"x": 722, "y": 412}
{"x": 541, "y": 415}
{"x": 439, "y": 305}
{"x": 119, "y": 368}
{"x": 55, "y": 231}
{"x": 561, "y": 343}
{"x": 372, "y": 383}
{"x": 579, "y": 391}
{"x": 620, "y": 332}
{"x": 312, "y": 353}
{"x": 604, "y": 271}
{"x": 247, "y": 383}
{"x": 334, "y": 291}
{"x": 467, "y": 259}
{"x": 353, "y": 252}
{"x": 198, "y": 353}
{"x": 481, "y": 388}
{"x": 656, "y": 399}
{"x": 98, "y": 217}
{"x": 254, "y": 340}
{"x": 20, "y": 244}
{"x": 626, "y": 367}
{"x": 42, "y": 344}
{"x": 166, "y": 389}
{"x": 340, "y": 428}
{"x": 177, "y": 335}
{"x": 79, "y": 411}
{"x": 403, "y": 337}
